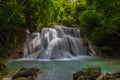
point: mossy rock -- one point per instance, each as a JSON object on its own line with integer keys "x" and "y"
{"x": 26, "y": 73}
{"x": 3, "y": 69}
{"x": 90, "y": 73}
{"x": 109, "y": 76}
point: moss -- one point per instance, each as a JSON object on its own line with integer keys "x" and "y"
{"x": 90, "y": 73}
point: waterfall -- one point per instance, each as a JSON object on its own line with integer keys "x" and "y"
{"x": 56, "y": 42}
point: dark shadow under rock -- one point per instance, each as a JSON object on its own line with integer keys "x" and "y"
{"x": 26, "y": 74}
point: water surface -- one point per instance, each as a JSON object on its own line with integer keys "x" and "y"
{"x": 66, "y": 65}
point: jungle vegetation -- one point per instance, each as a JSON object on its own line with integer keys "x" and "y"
{"x": 98, "y": 19}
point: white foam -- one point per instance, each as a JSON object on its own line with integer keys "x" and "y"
{"x": 61, "y": 59}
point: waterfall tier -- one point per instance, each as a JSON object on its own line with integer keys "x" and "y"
{"x": 55, "y": 43}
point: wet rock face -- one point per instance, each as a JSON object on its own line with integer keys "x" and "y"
{"x": 94, "y": 73}
{"x": 26, "y": 74}
{"x": 90, "y": 73}
{"x": 109, "y": 76}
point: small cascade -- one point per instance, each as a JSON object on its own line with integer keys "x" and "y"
{"x": 55, "y": 43}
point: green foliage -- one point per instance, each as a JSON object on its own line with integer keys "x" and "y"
{"x": 100, "y": 21}
{"x": 66, "y": 15}
{"x": 16, "y": 15}
{"x": 8, "y": 25}
{"x": 79, "y": 8}
{"x": 90, "y": 20}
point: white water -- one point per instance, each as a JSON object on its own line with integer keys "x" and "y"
{"x": 61, "y": 59}
{"x": 57, "y": 42}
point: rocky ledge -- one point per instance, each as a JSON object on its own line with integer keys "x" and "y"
{"x": 94, "y": 73}
{"x": 91, "y": 73}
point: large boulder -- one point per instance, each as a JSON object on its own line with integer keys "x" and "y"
{"x": 26, "y": 74}
{"x": 109, "y": 76}
{"x": 90, "y": 73}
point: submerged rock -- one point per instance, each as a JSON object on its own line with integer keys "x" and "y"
{"x": 26, "y": 74}
{"x": 90, "y": 73}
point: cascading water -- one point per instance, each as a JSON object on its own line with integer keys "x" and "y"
{"x": 55, "y": 43}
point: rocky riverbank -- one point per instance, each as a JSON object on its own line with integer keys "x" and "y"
{"x": 94, "y": 73}
{"x": 34, "y": 73}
